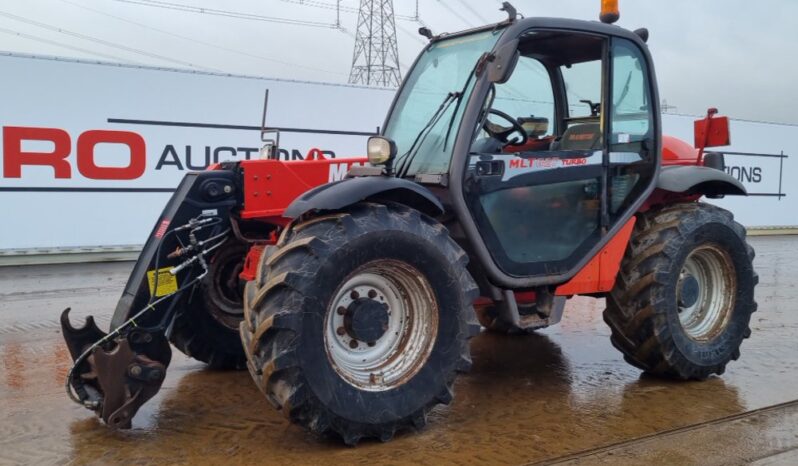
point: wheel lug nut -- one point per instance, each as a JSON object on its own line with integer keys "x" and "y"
{"x": 353, "y": 344}
{"x": 340, "y": 330}
{"x": 341, "y": 310}
{"x": 372, "y": 294}
{"x": 372, "y": 343}
{"x": 354, "y": 294}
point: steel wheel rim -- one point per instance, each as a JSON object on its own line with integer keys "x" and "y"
{"x": 713, "y": 269}
{"x": 411, "y": 330}
{"x": 228, "y": 293}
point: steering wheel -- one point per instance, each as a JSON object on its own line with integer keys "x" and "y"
{"x": 504, "y": 136}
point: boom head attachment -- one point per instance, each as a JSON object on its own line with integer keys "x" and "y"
{"x": 115, "y": 373}
{"x": 117, "y": 377}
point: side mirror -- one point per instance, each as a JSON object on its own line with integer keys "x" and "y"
{"x": 381, "y": 151}
{"x": 502, "y": 62}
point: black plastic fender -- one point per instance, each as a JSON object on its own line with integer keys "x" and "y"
{"x": 696, "y": 179}
{"x": 340, "y": 194}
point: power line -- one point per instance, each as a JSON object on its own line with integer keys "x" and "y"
{"x": 744, "y": 120}
{"x": 338, "y": 7}
{"x": 61, "y": 44}
{"x": 227, "y": 13}
{"x": 201, "y": 42}
{"x": 417, "y": 18}
{"x": 473, "y": 11}
{"x": 99, "y": 41}
{"x": 347, "y": 32}
{"x": 416, "y": 36}
{"x": 326, "y": 6}
{"x": 456, "y": 13}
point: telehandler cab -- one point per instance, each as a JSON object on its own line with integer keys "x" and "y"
{"x": 521, "y": 163}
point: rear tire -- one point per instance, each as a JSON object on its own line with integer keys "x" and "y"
{"x": 207, "y": 328}
{"x": 684, "y": 295}
{"x": 306, "y": 357}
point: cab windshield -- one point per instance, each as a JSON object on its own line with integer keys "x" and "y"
{"x": 431, "y": 103}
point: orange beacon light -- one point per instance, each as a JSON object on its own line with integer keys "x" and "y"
{"x": 609, "y": 11}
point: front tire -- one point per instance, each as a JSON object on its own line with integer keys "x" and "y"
{"x": 359, "y": 321}
{"x": 684, "y": 295}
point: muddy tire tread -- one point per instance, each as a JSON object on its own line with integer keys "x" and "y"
{"x": 645, "y": 341}
{"x": 271, "y": 329}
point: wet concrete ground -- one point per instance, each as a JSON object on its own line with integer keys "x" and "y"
{"x": 564, "y": 395}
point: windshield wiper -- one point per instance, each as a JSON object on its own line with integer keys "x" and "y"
{"x": 460, "y": 101}
{"x": 422, "y": 135}
{"x": 407, "y": 158}
{"x": 625, "y": 90}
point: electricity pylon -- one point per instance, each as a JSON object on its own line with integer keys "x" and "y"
{"x": 375, "y": 61}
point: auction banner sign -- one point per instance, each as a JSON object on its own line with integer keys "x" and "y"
{"x": 91, "y": 151}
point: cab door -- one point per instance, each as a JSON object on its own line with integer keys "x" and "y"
{"x": 542, "y": 206}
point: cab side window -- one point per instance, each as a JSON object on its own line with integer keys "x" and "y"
{"x": 631, "y": 127}
{"x": 631, "y": 115}
{"x": 583, "y": 84}
{"x": 528, "y": 97}
{"x": 583, "y": 88}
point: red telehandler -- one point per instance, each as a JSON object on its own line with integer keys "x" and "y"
{"x": 521, "y": 163}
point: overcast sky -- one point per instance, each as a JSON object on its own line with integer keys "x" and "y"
{"x": 738, "y": 55}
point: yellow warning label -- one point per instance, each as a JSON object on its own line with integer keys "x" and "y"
{"x": 167, "y": 283}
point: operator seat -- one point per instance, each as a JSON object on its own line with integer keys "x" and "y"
{"x": 582, "y": 137}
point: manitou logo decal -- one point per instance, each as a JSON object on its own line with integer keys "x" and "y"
{"x": 338, "y": 170}
{"x": 547, "y": 162}
{"x": 130, "y": 166}
{"x": 516, "y": 166}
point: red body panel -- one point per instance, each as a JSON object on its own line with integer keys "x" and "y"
{"x": 677, "y": 152}
{"x": 271, "y": 185}
{"x": 598, "y": 276}
{"x": 250, "y": 270}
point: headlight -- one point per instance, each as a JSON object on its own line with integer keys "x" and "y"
{"x": 380, "y": 150}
